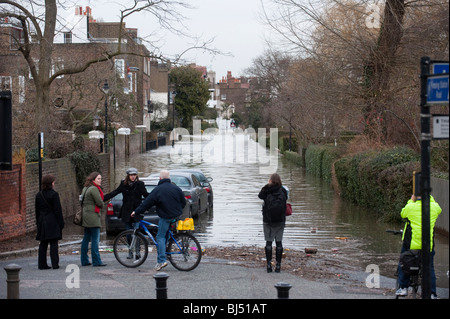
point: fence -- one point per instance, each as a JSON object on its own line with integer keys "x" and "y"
{"x": 440, "y": 192}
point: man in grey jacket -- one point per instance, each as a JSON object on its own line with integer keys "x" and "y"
{"x": 169, "y": 201}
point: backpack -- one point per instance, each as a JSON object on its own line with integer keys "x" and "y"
{"x": 275, "y": 206}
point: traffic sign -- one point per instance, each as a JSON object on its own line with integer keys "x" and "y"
{"x": 439, "y": 67}
{"x": 440, "y": 126}
{"x": 437, "y": 89}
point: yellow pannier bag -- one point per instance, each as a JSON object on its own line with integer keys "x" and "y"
{"x": 186, "y": 224}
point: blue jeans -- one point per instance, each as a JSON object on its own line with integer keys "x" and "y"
{"x": 91, "y": 234}
{"x": 403, "y": 279}
{"x": 161, "y": 238}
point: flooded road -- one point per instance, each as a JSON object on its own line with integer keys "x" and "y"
{"x": 320, "y": 218}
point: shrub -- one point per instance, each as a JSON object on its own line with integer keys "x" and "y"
{"x": 330, "y": 155}
{"x": 397, "y": 189}
{"x": 313, "y": 159}
{"x": 84, "y": 164}
{"x": 294, "y": 157}
{"x": 378, "y": 180}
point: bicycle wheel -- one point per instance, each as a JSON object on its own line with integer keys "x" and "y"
{"x": 185, "y": 252}
{"x": 130, "y": 250}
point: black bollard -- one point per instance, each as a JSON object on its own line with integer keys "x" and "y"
{"x": 283, "y": 290}
{"x": 12, "y": 280}
{"x": 161, "y": 285}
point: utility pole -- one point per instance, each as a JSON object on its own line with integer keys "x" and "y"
{"x": 425, "y": 116}
{"x": 434, "y": 90}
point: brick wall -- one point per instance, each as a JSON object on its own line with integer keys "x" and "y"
{"x": 18, "y": 190}
{"x": 13, "y": 198}
{"x": 65, "y": 185}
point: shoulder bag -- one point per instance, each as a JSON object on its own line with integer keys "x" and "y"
{"x": 78, "y": 218}
{"x": 288, "y": 209}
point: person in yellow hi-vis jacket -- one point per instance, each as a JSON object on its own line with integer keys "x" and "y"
{"x": 412, "y": 238}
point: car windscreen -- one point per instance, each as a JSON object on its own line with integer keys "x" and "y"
{"x": 200, "y": 177}
{"x": 180, "y": 181}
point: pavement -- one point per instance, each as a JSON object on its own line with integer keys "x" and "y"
{"x": 214, "y": 278}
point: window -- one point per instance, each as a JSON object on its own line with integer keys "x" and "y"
{"x": 67, "y": 37}
{"x": 120, "y": 67}
{"x": 21, "y": 89}
{"x": 147, "y": 66}
{"x": 17, "y": 38}
{"x": 5, "y": 83}
{"x": 223, "y": 97}
{"x": 57, "y": 65}
{"x": 130, "y": 82}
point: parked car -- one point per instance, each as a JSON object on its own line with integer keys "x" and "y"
{"x": 196, "y": 195}
{"x": 114, "y": 224}
{"x": 204, "y": 181}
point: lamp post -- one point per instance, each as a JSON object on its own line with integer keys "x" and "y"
{"x": 96, "y": 121}
{"x": 105, "y": 90}
{"x": 173, "y": 94}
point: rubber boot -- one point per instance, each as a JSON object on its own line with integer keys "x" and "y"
{"x": 278, "y": 256}
{"x": 269, "y": 258}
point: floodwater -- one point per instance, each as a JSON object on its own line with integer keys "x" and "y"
{"x": 240, "y": 168}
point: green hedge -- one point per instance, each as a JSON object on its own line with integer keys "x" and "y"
{"x": 378, "y": 180}
{"x": 319, "y": 160}
{"x": 84, "y": 164}
{"x": 294, "y": 157}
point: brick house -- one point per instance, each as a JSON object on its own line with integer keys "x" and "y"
{"x": 233, "y": 94}
{"x": 82, "y": 39}
{"x": 72, "y": 97}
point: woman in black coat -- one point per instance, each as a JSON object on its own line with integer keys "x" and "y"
{"x": 274, "y": 218}
{"x": 49, "y": 221}
{"x": 133, "y": 191}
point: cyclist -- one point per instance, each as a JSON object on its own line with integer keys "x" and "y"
{"x": 169, "y": 201}
{"x": 412, "y": 238}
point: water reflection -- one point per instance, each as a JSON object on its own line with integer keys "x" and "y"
{"x": 320, "y": 218}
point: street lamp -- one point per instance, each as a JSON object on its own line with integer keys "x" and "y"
{"x": 105, "y": 90}
{"x": 96, "y": 121}
{"x": 172, "y": 101}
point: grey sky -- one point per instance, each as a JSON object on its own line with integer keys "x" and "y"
{"x": 234, "y": 24}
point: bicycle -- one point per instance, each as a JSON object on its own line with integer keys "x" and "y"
{"x": 131, "y": 247}
{"x": 415, "y": 276}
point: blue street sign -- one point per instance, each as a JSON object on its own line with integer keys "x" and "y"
{"x": 437, "y": 89}
{"x": 439, "y": 68}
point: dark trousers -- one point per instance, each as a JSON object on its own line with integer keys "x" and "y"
{"x": 54, "y": 257}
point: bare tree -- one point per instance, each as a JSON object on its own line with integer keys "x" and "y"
{"x": 39, "y": 22}
{"x": 368, "y": 52}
